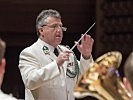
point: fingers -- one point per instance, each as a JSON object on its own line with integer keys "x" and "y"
{"x": 63, "y": 56}
{"x": 85, "y": 48}
{"x": 86, "y": 38}
{"x": 68, "y": 52}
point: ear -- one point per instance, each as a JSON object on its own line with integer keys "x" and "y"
{"x": 125, "y": 81}
{"x": 127, "y": 84}
{"x": 2, "y": 66}
{"x": 41, "y": 30}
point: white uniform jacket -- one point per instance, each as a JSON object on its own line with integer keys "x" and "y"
{"x": 4, "y": 96}
{"x": 42, "y": 78}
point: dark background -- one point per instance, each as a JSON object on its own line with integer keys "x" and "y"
{"x": 113, "y": 29}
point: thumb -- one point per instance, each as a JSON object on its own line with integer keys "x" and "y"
{"x": 78, "y": 46}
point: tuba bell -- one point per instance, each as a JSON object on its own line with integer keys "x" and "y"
{"x": 102, "y": 80}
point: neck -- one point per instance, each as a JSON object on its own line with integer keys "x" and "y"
{"x": 54, "y": 45}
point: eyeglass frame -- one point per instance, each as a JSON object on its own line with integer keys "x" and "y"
{"x": 55, "y": 27}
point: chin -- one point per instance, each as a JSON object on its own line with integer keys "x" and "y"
{"x": 57, "y": 43}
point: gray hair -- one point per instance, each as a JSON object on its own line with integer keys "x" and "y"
{"x": 41, "y": 18}
{"x": 2, "y": 49}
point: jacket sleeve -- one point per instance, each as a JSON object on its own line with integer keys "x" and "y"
{"x": 33, "y": 75}
{"x": 85, "y": 64}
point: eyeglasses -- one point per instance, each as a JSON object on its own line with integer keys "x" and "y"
{"x": 55, "y": 27}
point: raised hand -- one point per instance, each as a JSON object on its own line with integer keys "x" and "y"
{"x": 85, "y": 48}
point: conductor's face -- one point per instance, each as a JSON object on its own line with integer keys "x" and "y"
{"x": 52, "y": 32}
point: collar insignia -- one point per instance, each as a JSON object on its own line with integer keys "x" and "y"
{"x": 46, "y": 50}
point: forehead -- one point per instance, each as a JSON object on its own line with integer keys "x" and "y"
{"x": 53, "y": 20}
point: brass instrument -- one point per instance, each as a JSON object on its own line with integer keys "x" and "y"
{"x": 102, "y": 80}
